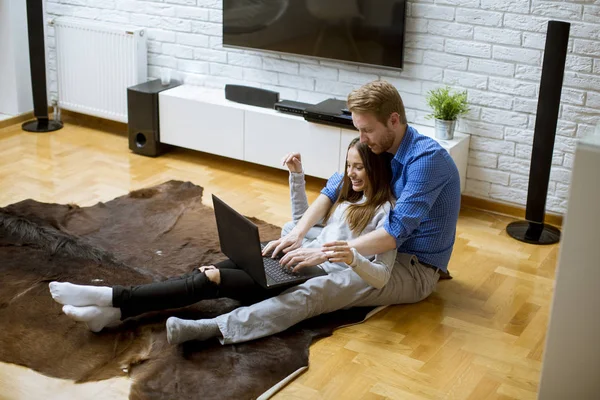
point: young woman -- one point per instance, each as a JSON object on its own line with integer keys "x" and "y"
{"x": 363, "y": 202}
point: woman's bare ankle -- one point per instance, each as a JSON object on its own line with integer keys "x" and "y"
{"x": 213, "y": 275}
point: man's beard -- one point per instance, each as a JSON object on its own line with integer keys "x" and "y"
{"x": 387, "y": 142}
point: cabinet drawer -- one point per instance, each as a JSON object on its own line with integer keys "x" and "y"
{"x": 269, "y": 137}
{"x": 196, "y": 125}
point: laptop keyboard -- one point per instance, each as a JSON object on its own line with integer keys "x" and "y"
{"x": 276, "y": 272}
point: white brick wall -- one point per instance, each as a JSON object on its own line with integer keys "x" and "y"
{"x": 491, "y": 48}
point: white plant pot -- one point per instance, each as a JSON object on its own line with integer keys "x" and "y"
{"x": 444, "y": 130}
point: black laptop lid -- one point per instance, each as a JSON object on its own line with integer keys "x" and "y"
{"x": 239, "y": 240}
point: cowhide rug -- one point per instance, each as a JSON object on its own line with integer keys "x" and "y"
{"x": 147, "y": 235}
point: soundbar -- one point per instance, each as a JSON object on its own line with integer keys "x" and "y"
{"x": 251, "y": 96}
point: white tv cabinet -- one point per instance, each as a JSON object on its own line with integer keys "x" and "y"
{"x": 200, "y": 118}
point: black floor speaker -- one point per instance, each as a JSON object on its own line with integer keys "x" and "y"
{"x": 143, "y": 119}
{"x": 37, "y": 63}
{"x": 533, "y": 230}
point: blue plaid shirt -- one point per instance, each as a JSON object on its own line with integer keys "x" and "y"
{"x": 426, "y": 184}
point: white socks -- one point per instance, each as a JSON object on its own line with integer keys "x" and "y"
{"x": 93, "y": 305}
{"x": 90, "y": 304}
{"x": 96, "y": 317}
{"x": 79, "y": 295}
{"x": 183, "y": 330}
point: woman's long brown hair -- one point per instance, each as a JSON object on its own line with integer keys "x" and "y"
{"x": 379, "y": 174}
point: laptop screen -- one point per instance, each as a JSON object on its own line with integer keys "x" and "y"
{"x": 239, "y": 240}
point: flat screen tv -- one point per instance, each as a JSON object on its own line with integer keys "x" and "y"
{"x": 369, "y": 32}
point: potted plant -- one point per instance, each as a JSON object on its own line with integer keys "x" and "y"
{"x": 447, "y": 106}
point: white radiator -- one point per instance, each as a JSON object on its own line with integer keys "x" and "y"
{"x": 96, "y": 63}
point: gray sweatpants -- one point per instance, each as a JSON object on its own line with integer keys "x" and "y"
{"x": 410, "y": 282}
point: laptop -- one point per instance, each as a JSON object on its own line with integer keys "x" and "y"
{"x": 240, "y": 242}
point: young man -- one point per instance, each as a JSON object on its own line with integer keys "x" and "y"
{"x": 425, "y": 182}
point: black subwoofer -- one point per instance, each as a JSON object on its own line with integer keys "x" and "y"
{"x": 142, "y": 117}
{"x": 533, "y": 230}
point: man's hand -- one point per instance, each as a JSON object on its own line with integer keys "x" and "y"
{"x": 293, "y": 161}
{"x": 285, "y": 244}
{"x": 300, "y": 258}
{"x": 338, "y": 251}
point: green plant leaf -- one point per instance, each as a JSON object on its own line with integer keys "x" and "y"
{"x": 446, "y": 104}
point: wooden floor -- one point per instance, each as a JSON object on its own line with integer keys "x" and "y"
{"x": 479, "y": 336}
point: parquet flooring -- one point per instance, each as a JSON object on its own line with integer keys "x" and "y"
{"x": 479, "y": 336}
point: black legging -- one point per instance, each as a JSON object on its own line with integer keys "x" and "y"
{"x": 189, "y": 289}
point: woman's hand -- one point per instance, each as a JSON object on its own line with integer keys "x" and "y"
{"x": 300, "y": 258}
{"x": 285, "y": 244}
{"x": 206, "y": 267}
{"x": 293, "y": 161}
{"x": 338, "y": 251}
